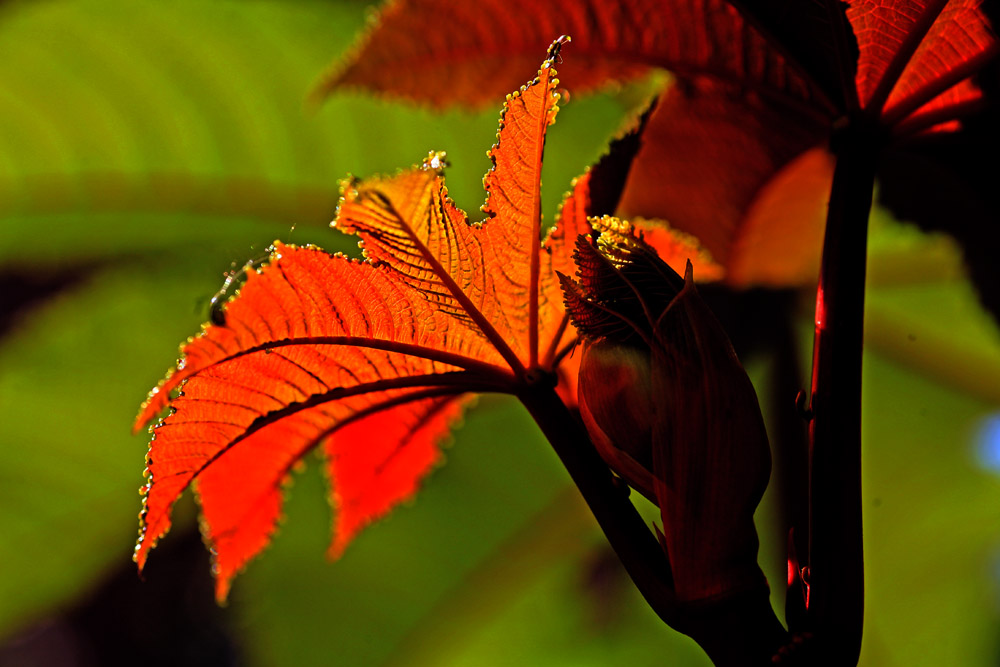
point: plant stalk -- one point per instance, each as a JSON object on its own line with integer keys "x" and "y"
{"x": 734, "y": 632}
{"x": 741, "y": 631}
{"x": 608, "y": 500}
{"x": 790, "y": 446}
{"x": 836, "y": 566}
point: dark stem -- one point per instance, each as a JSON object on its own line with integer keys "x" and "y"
{"x": 741, "y": 631}
{"x": 836, "y": 567}
{"x": 845, "y": 54}
{"x": 608, "y": 500}
{"x": 734, "y": 632}
{"x": 790, "y": 446}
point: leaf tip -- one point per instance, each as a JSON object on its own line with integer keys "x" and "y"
{"x": 157, "y": 398}
{"x": 222, "y": 587}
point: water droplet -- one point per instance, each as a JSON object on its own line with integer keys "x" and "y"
{"x": 563, "y": 94}
{"x": 436, "y": 161}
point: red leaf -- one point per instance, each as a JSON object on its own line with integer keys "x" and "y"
{"x": 240, "y": 493}
{"x": 706, "y": 155}
{"x": 297, "y": 357}
{"x": 480, "y": 50}
{"x": 373, "y": 460}
{"x": 742, "y": 128}
{"x": 709, "y": 155}
{"x": 918, "y": 56}
{"x": 371, "y": 359}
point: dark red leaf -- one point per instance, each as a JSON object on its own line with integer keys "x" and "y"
{"x": 919, "y": 56}
{"x": 451, "y": 52}
{"x": 710, "y": 156}
{"x": 733, "y": 154}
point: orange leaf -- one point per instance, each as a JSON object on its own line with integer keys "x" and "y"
{"x": 781, "y": 237}
{"x": 371, "y": 360}
{"x": 373, "y": 459}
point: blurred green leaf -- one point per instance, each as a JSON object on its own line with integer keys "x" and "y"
{"x": 68, "y": 467}
{"x": 931, "y": 522}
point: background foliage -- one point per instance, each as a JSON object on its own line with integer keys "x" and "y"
{"x": 145, "y": 147}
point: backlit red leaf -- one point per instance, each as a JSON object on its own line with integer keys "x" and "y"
{"x": 919, "y": 55}
{"x": 373, "y": 460}
{"x": 370, "y": 361}
{"x": 311, "y": 343}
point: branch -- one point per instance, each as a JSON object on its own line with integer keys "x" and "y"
{"x": 627, "y": 532}
{"x": 836, "y": 565}
{"x": 734, "y": 632}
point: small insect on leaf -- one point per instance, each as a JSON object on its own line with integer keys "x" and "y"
{"x": 234, "y": 278}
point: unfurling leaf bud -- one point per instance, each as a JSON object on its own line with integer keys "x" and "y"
{"x": 615, "y": 398}
{"x": 671, "y": 409}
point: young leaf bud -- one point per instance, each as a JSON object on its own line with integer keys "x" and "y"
{"x": 711, "y": 459}
{"x": 615, "y": 398}
{"x": 671, "y": 409}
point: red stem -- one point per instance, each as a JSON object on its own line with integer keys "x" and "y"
{"x": 836, "y": 576}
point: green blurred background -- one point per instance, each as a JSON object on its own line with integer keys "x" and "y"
{"x": 148, "y": 147}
